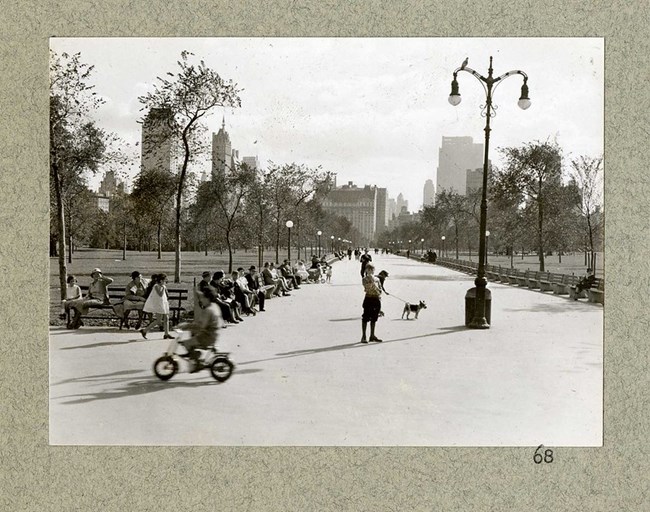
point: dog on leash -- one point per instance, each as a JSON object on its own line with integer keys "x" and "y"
{"x": 413, "y": 308}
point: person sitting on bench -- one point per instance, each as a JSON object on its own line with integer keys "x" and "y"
{"x": 97, "y": 296}
{"x": 585, "y": 283}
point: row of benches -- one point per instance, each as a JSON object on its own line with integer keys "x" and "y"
{"x": 559, "y": 284}
{"x": 177, "y": 298}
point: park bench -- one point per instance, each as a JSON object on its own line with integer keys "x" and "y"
{"x": 116, "y": 294}
{"x": 522, "y": 278}
{"x": 546, "y": 281}
{"x": 266, "y": 288}
{"x": 513, "y": 277}
{"x": 504, "y": 273}
{"x": 597, "y": 287}
{"x": 492, "y": 272}
{"x": 597, "y": 293}
{"x": 562, "y": 283}
{"x": 533, "y": 280}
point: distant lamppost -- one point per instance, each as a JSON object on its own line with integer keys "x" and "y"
{"x": 289, "y": 225}
{"x": 319, "y": 233}
{"x": 332, "y": 243}
{"x": 479, "y": 320}
{"x": 422, "y": 242}
{"x": 338, "y": 247}
{"x": 487, "y": 239}
{"x": 443, "y": 246}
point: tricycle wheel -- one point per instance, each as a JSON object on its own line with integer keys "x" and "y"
{"x": 165, "y": 367}
{"x": 221, "y": 369}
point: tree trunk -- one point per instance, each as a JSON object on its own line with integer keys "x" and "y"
{"x": 179, "y": 205}
{"x": 60, "y": 217}
{"x": 160, "y": 238}
{"x": 229, "y": 245}
{"x": 540, "y": 225}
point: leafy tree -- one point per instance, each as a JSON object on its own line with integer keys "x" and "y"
{"x": 77, "y": 145}
{"x": 534, "y": 171}
{"x": 224, "y": 197}
{"x": 286, "y": 187}
{"x": 191, "y": 95}
{"x": 587, "y": 172}
{"x": 153, "y": 191}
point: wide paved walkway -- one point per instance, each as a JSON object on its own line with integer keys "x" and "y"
{"x": 535, "y": 377}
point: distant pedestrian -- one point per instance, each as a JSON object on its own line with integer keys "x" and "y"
{"x": 328, "y": 274}
{"x": 365, "y": 259}
{"x": 371, "y": 303}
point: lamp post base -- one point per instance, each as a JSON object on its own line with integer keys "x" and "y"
{"x": 478, "y": 318}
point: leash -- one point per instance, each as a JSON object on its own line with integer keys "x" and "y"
{"x": 391, "y": 295}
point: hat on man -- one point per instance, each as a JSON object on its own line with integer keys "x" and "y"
{"x": 96, "y": 271}
{"x": 240, "y": 269}
{"x": 383, "y": 273}
{"x": 205, "y": 274}
{"x": 252, "y": 267}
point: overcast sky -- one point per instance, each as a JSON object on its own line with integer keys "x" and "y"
{"x": 373, "y": 110}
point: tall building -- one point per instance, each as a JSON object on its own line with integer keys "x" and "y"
{"x": 358, "y": 205}
{"x": 391, "y": 211}
{"x": 429, "y": 194}
{"x": 400, "y": 203}
{"x": 474, "y": 179}
{"x": 108, "y": 187}
{"x": 381, "y": 211}
{"x": 251, "y": 161}
{"x": 157, "y": 140}
{"x": 455, "y": 156}
{"x": 222, "y": 154}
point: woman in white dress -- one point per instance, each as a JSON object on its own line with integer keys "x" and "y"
{"x": 158, "y": 304}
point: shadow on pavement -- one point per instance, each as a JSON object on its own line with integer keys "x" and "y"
{"x": 345, "y": 319}
{"x": 90, "y": 378}
{"x": 105, "y": 344}
{"x": 352, "y": 345}
{"x": 429, "y": 277}
{"x": 562, "y": 308}
{"x": 84, "y": 330}
{"x": 134, "y": 388}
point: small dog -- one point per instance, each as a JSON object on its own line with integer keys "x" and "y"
{"x": 413, "y": 308}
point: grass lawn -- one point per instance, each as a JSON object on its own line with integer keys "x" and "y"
{"x": 193, "y": 264}
{"x": 571, "y": 263}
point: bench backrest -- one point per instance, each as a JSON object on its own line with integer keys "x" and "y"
{"x": 118, "y": 291}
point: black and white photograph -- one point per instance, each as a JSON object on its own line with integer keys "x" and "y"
{"x": 319, "y": 241}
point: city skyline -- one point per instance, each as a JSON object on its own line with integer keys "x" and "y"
{"x": 372, "y": 110}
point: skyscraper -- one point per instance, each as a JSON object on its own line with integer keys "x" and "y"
{"x": 251, "y": 161}
{"x": 455, "y": 156}
{"x": 381, "y": 211}
{"x": 157, "y": 139}
{"x": 429, "y": 198}
{"x": 222, "y": 155}
{"x": 358, "y": 205}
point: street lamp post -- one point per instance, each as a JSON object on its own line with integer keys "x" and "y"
{"x": 319, "y": 233}
{"x": 489, "y": 84}
{"x": 487, "y": 239}
{"x": 444, "y": 255}
{"x": 332, "y": 243}
{"x": 422, "y": 248}
{"x": 289, "y": 225}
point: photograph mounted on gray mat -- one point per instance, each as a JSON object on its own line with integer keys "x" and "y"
{"x": 326, "y": 241}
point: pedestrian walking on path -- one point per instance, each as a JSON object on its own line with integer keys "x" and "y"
{"x": 371, "y": 303}
{"x": 158, "y": 304}
{"x": 365, "y": 259}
